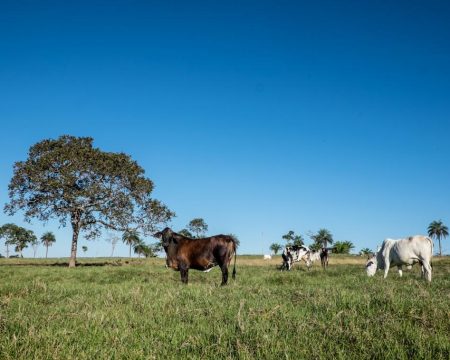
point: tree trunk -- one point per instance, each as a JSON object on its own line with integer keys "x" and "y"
{"x": 440, "y": 249}
{"x": 46, "y": 251}
{"x": 75, "y": 220}
{"x": 7, "y": 250}
{"x": 130, "y": 250}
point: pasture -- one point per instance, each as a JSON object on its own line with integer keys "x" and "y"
{"x": 119, "y": 309}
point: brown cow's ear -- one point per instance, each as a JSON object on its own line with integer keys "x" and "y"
{"x": 158, "y": 235}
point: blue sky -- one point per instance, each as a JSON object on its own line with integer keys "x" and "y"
{"x": 259, "y": 116}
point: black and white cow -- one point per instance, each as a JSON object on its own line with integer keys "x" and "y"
{"x": 293, "y": 254}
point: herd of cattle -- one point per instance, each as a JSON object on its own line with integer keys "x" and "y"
{"x": 184, "y": 253}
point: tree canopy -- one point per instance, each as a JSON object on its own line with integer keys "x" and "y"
{"x": 70, "y": 180}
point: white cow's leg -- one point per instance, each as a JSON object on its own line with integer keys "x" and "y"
{"x": 400, "y": 272}
{"x": 427, "y": 267}
{"x": 386, "y": 269}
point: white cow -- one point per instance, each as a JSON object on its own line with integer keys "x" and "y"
{"x": 267, "y": 257}
{"x": 409, "y": 251}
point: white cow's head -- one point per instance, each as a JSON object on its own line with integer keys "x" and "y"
{"x": 371, "y": 265}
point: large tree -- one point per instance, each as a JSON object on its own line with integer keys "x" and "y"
{"x": 292, "y": 239}
{"x": 198, "y": 226}
{"x": 47, "y": 239}
{"x": 323, "y": 237}
{"x": 438, "y": 230}
{"x": 70, "y": 180}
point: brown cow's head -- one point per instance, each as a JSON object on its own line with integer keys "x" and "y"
{"x": 166, "y": 236}
{"x": 169, "y": 243}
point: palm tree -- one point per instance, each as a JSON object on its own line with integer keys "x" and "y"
{"x": 47, "y": 239}
{"x": 34, "y": 244}
{"x": 275, "y": 248}
{"x": 293, "y": 239}
{"x": 323, "y": 237}
{"x": 365, "y": 251}
{"x": 343, "y": 247}
{"x": 438, "y": 231}
{"x": 131, "y": 237}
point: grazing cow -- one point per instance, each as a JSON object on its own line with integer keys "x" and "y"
{"x": 409, "y": 251}
{"x": 324, "y": 257}
{"x": 293, "y": 254}
{"x": 184, "y": 253}
{"x": 267, "y": 257}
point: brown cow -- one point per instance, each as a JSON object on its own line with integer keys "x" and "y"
{"x": 184, "y": 253}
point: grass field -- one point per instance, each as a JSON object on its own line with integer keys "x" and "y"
{"x": 137, "y": 309}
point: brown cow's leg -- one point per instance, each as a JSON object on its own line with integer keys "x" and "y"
{"x": 184, "y": 274}
{"x": 224, "y": 269}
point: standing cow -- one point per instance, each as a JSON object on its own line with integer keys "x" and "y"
{"x": 293, "y": 254}
{"x": 184, "y": 253}
{"x": 409, "y": 251}
{"x": 324, "y": 257}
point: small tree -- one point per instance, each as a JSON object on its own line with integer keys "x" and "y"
{"x": 47, "y": 239}
{"x": 84, "y": 248}
{"x": 185, "y": 232}
{"x": 34, "y": 244}
{"x": 275, "y": 248}
{"x": 141, "y": 248}
{"x": 131, "y": 238}
{"x": 343, "y": 247}
{"x": 438, "y": 230}
{"x": 70, "y": 180}
{"x": 315, "y": 246}
{"x": 365, "y": 251}
{"x": 113, "y": 239}
{"x": 17, "y": 236}
{"x": 8, "y": 232}
{"x": 292, "y": 239}
{"x": 323, "y": 237}
{"x": 198, "y": 226}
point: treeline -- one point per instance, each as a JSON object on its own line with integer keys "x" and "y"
{"x": 436, "y": 230}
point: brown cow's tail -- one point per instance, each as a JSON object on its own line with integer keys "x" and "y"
{"x": 234, "y": 266}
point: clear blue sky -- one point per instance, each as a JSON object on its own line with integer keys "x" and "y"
{"x": 259, "y": 116}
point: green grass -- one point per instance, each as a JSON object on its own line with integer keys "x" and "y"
{"x": 141, "y": 310}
